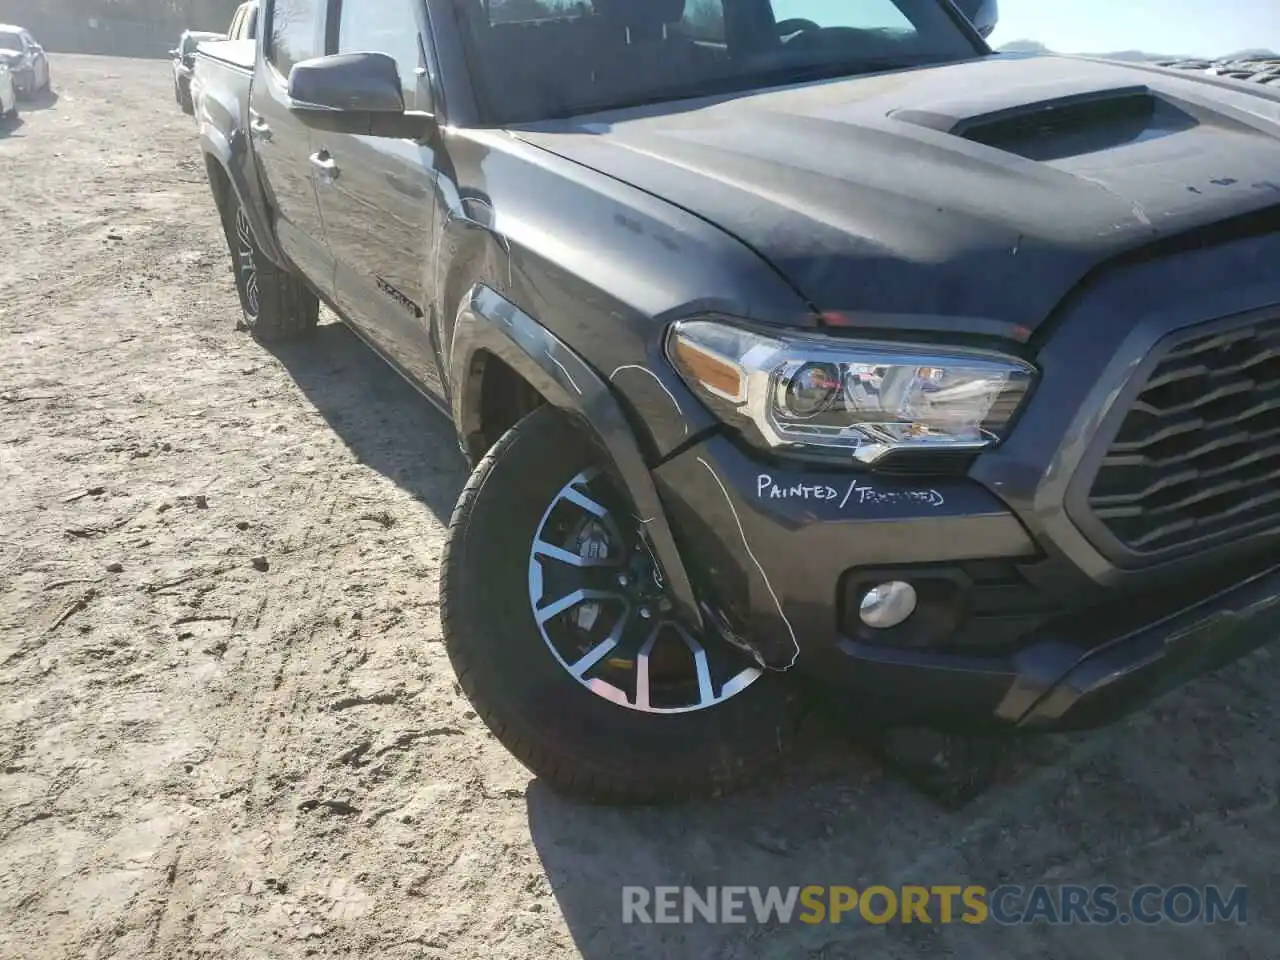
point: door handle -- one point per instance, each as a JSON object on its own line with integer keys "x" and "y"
{"x": 258, "y": 127}
{"x": 326, "y": 167}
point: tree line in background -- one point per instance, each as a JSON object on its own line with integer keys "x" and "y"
{"x": 128, "y": 28}
{"x": 207, "y": 13}
{"x": 212, "y": 14}
{"x": 149, "y": 28}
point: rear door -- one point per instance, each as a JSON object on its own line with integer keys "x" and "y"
{"x": 293, "y": 31}
{"x": 378, "y": 204}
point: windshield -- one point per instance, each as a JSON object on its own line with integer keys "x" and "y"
{"x": 543, "y": 59}
{"x": 11, "y": 41}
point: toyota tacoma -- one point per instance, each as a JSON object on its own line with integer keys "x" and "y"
{"x": 801, "y": 350}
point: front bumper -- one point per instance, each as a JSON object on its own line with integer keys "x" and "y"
{"x": 1040, "y": 624}
{"x": 1066, "y": 679}
{"x": 1032, "y": 643}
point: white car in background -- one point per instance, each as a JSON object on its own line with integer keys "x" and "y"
{"x": 8, "y": 96}
{"x": 25, "y": 59}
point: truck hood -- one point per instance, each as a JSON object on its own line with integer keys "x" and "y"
{"x": 986, "y": 189}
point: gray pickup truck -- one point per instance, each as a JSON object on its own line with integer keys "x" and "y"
{"x": 182, "y": 64}
{"x": 244, "y": 26}
{"x": 800, "y": 349}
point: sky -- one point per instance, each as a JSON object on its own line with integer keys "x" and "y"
{"x": 1174, "y": 27}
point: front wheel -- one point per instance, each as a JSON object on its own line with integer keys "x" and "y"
{"x": 557, "y": 626}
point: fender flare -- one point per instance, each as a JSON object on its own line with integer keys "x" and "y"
{"x": 215, "y": 144}
{"x": 487, "y": 321}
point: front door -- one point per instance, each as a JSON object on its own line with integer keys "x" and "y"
{"x": 282, "y": 143}
{"x": 378, "y": 200}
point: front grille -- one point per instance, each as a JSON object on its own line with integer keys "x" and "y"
{"x": 1198, "y": 453}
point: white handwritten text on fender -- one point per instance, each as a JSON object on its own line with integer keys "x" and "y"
{"x": 767, "y": 489}
{"x": 858, "y": 492}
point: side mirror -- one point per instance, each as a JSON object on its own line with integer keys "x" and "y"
{"x": 175, "y": 52}
{"x": 358, "y": 93}
{"x": 983, "y": 14}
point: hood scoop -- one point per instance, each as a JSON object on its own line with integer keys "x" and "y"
{"x": 1058, "y": 127}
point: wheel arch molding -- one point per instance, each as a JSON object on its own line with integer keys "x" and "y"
{"x": 487, "y": 322}
{"x": 221, "y": 154}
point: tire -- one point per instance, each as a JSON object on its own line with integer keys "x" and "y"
{"x": 277, "y": 305}
{"x": 576, "y": 740}
{"x": 185, "y": 101}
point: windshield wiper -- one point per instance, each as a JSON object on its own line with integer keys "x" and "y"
{"x": 799, "y": 73}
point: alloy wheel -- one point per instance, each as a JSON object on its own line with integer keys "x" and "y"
{"x": 598, "y": 598}
{"x": 245, "y": 264}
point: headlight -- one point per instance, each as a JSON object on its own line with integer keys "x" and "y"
{"x": 820, "y": 394}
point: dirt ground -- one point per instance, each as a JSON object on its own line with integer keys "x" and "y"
{"x": 229, "y": 728}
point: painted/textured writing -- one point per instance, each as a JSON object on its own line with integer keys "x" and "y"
{"x": 858, "y": 491}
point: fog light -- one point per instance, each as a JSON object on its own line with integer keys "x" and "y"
{"x": 887, "y": 604}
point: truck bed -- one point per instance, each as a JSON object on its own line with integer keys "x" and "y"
{"x": 220, "y": 86}
{"x": 233, "y": 53}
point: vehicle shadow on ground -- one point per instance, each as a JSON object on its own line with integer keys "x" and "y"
{"x": 830, "y": 819}
{"x": 387, "y": 424}
{"x": 1168, "y": 796}
{"x": 836, "y": 818}
{"x": 45, "y": 100}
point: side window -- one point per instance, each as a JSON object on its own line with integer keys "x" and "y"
{"x": 293, "y": 33}
{"x": 881, "y": 15}
{"x": 384, "y": 26}
{"x": 704, "y": 20}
